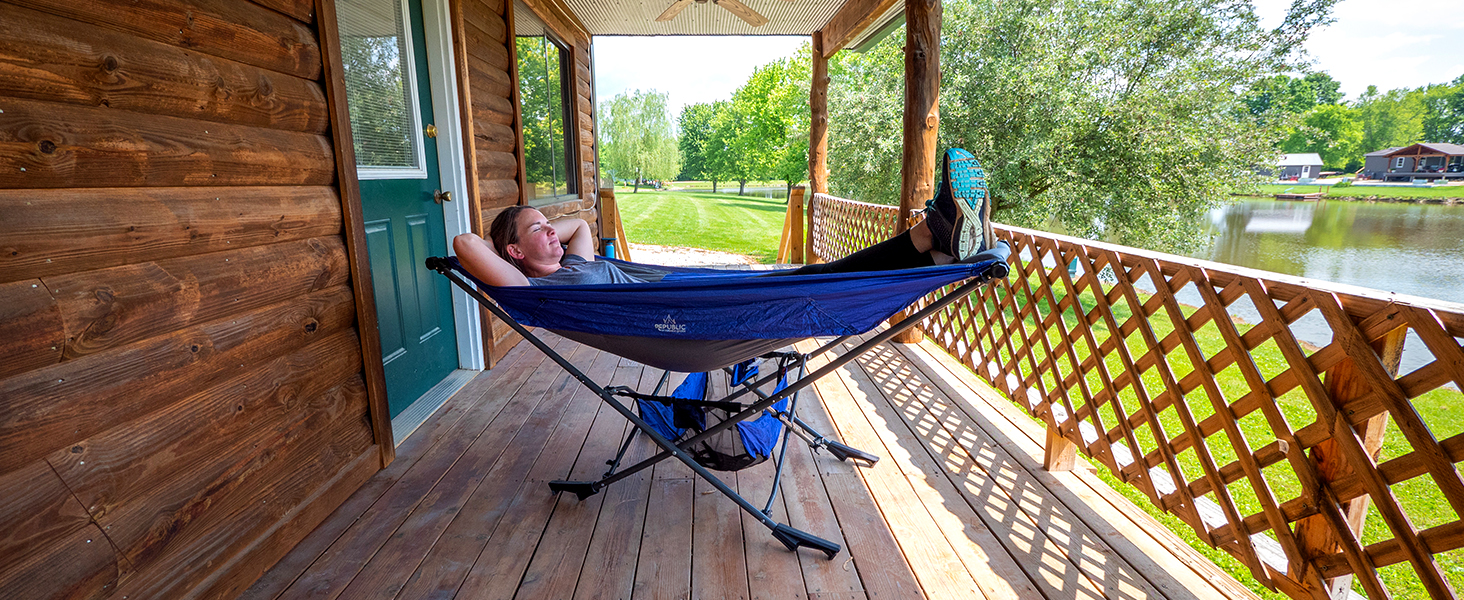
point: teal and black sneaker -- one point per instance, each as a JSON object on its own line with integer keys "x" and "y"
{"x": 960, "y": 214}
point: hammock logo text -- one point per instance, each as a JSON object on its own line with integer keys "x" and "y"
{"x": 669, "y": 325}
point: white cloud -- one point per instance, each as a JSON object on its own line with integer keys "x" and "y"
{"x": 689, "y": 69}
{"x": 1384, "y": 42}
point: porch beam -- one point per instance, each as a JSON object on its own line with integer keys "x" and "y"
{"x": 851, "y": 20}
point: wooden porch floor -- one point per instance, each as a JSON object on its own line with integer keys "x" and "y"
{"x": 959, "y": 506}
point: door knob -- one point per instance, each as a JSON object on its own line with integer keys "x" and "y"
{"x": 440, "y": 196}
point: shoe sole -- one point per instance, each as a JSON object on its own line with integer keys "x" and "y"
{"x": 968, "y": 186}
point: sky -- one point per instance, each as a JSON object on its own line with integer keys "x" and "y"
{"x": 1387, "y": 43}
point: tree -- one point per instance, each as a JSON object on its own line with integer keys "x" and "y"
{"x": 1293, "y": 95}
{"x": 1389, "y": 120}
{"x": 1121, "y": 121}
{"x": 696, "y": 131}
{"x": 773, "y": 139}
{"x": 636, "y": 139}
{"x": 1333, "y": 131}
{"x": 1443, "y": 119}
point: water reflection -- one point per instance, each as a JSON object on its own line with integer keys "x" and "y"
{"x": 1413, "y": 249}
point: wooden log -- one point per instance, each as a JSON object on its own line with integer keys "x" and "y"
{"x": 30, "y": 324}
{"x": 496, "y": 194}
{"x": 35, "y": 511}
{"x": 922, "y": 118}
{"x": 300, "y": 10}
{"x": 254, "y": 560}
{"x": 77, "y": 566}
{"x": 482, "y": 9}
{"x": 174, "y": 495}
{"x": 49, "y": 408}
{"x": 489, "y": 22}
{"x": 492, "y": 109}
{"x": 240, "y": 31}
{"x": 110, "y": 307}
{"x": 486, "y": 46}
{"x": 497, "y": 165}
{"x": 818, "y": 124}
{"x": 269, "y": 488}
{"x": 47, "y": 145}
{"x": 59, "y": 60}
{"x": 495, "y": 137}
{"x": 489, "y": 76}
{"x": 173, "y": 450}
{"x": 48, "y": 232}
{"x": 343, "y": 148}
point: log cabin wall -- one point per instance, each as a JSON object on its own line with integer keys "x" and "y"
{"x": 487, "y": 78}
{"x": 182, "y": 391}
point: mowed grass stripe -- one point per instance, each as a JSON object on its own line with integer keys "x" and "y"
{"x": 722, "y": 222}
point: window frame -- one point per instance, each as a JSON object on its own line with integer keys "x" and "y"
{"x": 571, "y": 125}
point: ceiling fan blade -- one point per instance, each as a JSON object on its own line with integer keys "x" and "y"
{"x": 743, "y": 12}
{"x": 673, "y": 10}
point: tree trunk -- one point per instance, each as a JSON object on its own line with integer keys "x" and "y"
{"x": 714, "y": 186}
{"x": 741, "y": 186}
{"x": 818, "y": 126}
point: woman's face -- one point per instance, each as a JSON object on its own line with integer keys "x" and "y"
{"x": 537, "y": 241}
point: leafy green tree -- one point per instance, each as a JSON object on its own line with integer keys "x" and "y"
{"x": 1293, "y": 95}
{"x": 774, "y": 140}
{"x": 1119, "y": 121}
{"x": 636, "y": 139}
{"x": 1333, "y": 131}
{"x": 1443, "y": 119}
{"x": 696, "y": 130}
{"x": 1389, "y": 120}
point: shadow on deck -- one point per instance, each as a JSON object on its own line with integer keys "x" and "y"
{"x": 959, "y": 507}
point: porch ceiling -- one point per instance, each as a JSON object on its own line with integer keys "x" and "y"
{"x": 638, "y": 17}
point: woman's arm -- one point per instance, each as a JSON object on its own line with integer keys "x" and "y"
{"x": 575, "y": 233}
{"x": 477, "y": 256}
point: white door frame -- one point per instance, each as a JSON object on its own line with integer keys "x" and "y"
{"x": 456, "y": 215}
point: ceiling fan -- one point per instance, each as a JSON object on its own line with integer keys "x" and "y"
{"x": 733, "y": 6}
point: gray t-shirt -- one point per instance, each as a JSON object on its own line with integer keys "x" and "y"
{"x": 574, "y": 270}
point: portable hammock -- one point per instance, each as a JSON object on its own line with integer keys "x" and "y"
{"x": 697, "y": 320}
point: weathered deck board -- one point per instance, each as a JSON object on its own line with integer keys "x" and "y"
{"x": 958, "y": 506}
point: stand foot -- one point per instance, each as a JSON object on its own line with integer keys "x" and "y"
{"x": 845, "y": 453}
{"x": 793, "y": 538}
{"x": 583, "y": 489}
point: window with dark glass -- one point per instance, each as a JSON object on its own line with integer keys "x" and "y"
{"x": 544, "y": 97}
{"x": 380, "y": 87}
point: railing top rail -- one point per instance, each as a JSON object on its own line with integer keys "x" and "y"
{"x": 1363, "y": 300}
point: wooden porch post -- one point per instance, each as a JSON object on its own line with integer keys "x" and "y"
{"x": 922, "y": 116}
{"x": 1345, "y": 384}
{"x": 818, "y": 124}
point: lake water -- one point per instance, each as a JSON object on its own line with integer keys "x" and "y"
{"x": 1414, "y": 249}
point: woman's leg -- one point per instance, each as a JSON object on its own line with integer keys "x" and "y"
{"x": 903, "y": 251}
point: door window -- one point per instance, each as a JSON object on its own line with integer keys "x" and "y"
{"x": 544, "y": 71}
{"x": 381, "y": 88}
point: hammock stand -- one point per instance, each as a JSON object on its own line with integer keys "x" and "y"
{"x": 536, "y": 307}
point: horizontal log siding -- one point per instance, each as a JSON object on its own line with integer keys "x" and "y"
{"x": 487, "y": 75}
{"x": 182, "y": 388}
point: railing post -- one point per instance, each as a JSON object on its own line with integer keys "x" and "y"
{"x": 1061, "y": 453}
{"x": 1345, "y": 385}
{"x": 610, "y": 224}
{"x": 790, "y": 247}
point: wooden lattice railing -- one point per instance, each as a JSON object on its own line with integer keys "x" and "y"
{"x": 1294, "y": 387}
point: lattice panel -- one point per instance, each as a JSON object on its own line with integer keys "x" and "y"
{"x": 839, "y": 227}
{"x": 1294, "y": 387}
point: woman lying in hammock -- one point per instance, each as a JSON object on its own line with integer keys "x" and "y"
{"x": 524, "y": 248}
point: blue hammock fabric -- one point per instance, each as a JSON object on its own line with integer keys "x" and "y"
{"x": 708, "y": 304}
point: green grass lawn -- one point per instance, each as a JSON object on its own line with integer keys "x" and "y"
{"x": 722, "y": 222}
{"x": 1364, "y": 192}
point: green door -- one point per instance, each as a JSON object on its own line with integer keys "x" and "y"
{"x": 385, "y": 67}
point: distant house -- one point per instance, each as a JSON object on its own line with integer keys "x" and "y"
{"x": 1299, "y": 166}
{"x": 1419, "y": 161}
